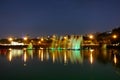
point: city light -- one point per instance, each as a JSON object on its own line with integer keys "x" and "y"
{"x": 39, "y": 42}
{"x": 114, "y": 36}
{"x": 53, "y": 36}
{"x": 65, "y": 37}
{"x": 10, "y": 39}
{"x": 91, "y": 36}
{"x": 42, "y": 39}
{"x": 91, "y": 50}
{"x": 25, "y": 38}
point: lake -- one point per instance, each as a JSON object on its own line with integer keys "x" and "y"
{"x": 40, "y": 64}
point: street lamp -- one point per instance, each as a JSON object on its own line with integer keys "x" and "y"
{"x": 42, "y": 39}
{"x": 114, "y": 42}
{"x": 65, "y": 37}
{"x": 91, "y": 36}
{"x": 39, "y": 42}
{"x": 114, "y": 36}
{"x": 10, "y": 39}
{"x": 25, "y": 38}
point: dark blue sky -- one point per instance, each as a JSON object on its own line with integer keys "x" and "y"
{"x": 44, "y": 17}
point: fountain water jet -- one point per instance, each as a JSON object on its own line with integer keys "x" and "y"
{"x": 68, "y": 42}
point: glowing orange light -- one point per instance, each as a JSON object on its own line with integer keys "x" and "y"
{"x": 91, "y": 58}
{"x": 10, "y": 39}
{"x": 25, "y": 38}
{"x": 25, "y": 57}
{"x": 114, "y": 36}
{"x": 91, "y": 36}
{"x": 65, "y": 58}
{"x": 53, "y": 58}
{"x": 39, "y": 42}
{"x": 10, "y": 57}
{"x": 115, "y": 59}
{"x": 42, "y": 39}
{"x": 42, "y": 55}
{"x": 65, "y": 37}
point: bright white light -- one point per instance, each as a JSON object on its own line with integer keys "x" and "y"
{"x": 91, "y": 50}
{"x": 16, "y": 43}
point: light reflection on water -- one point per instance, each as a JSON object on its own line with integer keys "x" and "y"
{"x": 94, "y": 61}
{"x": 64, "y": 56}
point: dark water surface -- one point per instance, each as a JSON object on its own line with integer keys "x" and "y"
{"x": 95, "y": 64}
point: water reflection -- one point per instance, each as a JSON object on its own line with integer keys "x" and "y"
{"x": 91, "y": 55}
{"x": 30, "y": 52}
{"x": 40, "y": 55}
{"x": 10, "y": 56}
{"x": 91, "y": 58}
{"x": 64, "y": 56}
{"x": 115, "y": 59}
{"x": 13, "y": 53}
{"x": 25, "y": 56}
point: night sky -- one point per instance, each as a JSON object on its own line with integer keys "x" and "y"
{"x": 47, "y": 17}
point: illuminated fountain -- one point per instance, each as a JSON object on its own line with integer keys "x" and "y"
{"x": 30, "y": 46}
{"x": 67, "y": 42}
{"x": 76, "y": 42}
